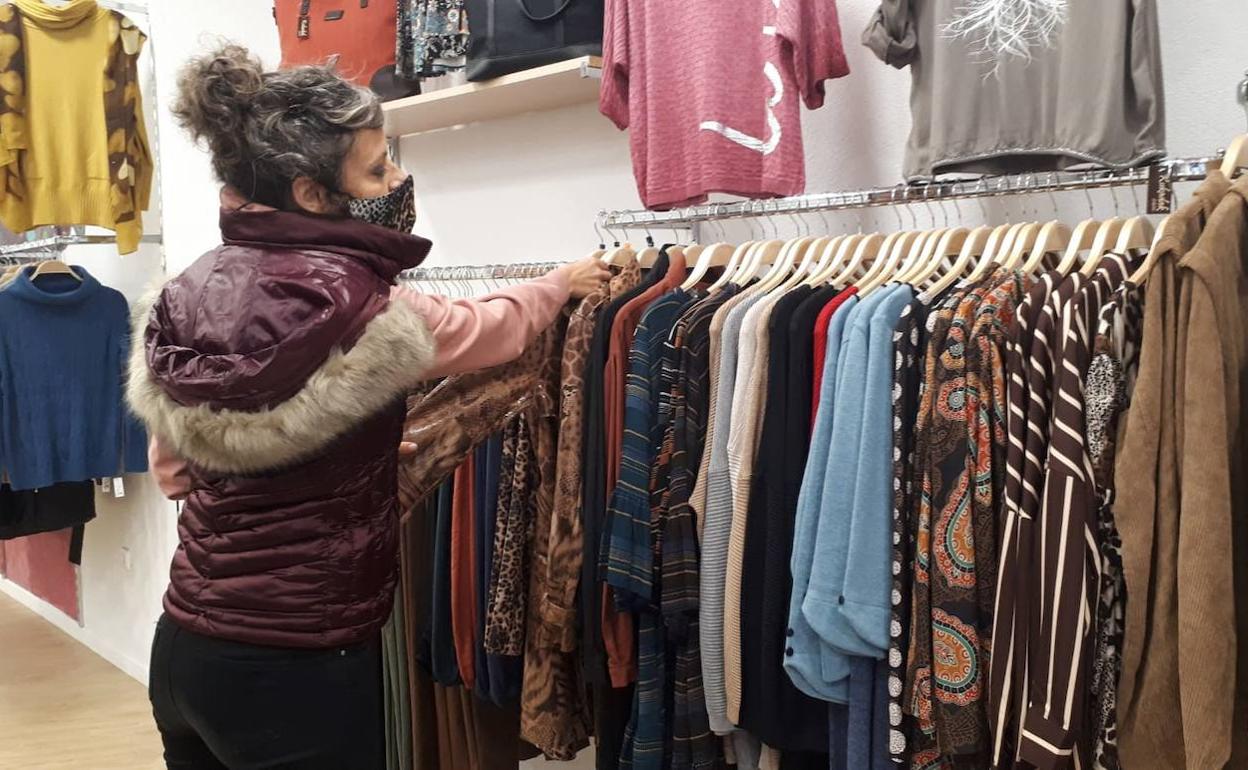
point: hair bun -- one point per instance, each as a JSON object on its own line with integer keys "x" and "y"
{"x": 215, "y": 94}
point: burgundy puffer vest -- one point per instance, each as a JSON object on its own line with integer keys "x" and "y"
{"x": 277, "y": 366}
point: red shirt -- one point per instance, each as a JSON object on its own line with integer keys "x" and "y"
{"x": 821, "y": 342}
{"x": 711, "y": 92}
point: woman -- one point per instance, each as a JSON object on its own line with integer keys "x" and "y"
{"x": 271, "y": 375}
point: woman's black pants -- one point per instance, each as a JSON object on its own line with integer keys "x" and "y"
{"x": 221, "y": 705}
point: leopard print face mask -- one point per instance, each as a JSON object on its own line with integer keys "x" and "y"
{"x": 396, "y": 210}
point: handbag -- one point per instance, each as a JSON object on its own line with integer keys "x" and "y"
{"x": 356, "y": 36}
{"x": 513, "y": 35}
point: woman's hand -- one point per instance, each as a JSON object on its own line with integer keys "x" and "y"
{"x": 585, "y": 276}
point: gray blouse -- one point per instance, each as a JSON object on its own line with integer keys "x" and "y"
{"x": 1093, "y": 97}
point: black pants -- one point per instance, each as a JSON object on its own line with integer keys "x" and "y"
{"x": 223, "y": 705}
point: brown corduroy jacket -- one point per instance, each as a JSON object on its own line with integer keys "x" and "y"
{"x": 1149, "y": 468}
{"x": 1213, "y": 499}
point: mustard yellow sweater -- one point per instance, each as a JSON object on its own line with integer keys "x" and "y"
{"x": 73, "y": 146}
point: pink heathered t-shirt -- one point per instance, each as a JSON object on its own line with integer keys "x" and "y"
{"x": 711, "y": 92}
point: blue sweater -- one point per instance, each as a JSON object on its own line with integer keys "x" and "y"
{"x": 826, "y": 680}
{"x": 868, "y": 575}
{"x": 63, "y": 349}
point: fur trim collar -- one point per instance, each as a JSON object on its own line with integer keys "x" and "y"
{"x": 388, "y": 360}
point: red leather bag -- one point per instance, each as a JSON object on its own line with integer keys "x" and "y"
{"x": 360, "y": 34}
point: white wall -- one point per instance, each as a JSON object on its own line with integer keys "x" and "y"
{"x": 126, "y": 551}
{"x": 527, "y": 189}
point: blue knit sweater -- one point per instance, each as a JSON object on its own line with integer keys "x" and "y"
{"x": 63, "y": 347}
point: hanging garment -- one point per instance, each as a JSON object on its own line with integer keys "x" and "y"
{"x": 554, "y": 715}
{"x": 1211, "y": 367}
{"x": 464, "y": 575}
{"x": 432, "y": 38}
{"x": 605, "y": 670}
{"x": 771, "y": 707}
{"x": 48, "y": 509}
{"x": 718, "y": 514}
{"x": 599, "y": 665}
{"x": 743, "y": 440}
{"x": 1056, "y": 716}
{"x": 1146, "y": 508}
{"x": 503, "y": 671}
{"x": 63, "y": 345}
{"x": 814, "y": 667}
{"x": 630, "y": 558}
{"x": 1006, "y": 677}
{"x": 73, "y": 141}
{"x": 693, "y": 743}
{"x": 1094, "y": 96}
{"x": 908, "y": 346}
{"x": 562, "y": 574}
{"x": 1111, "y": 377}
{"x": 744, "y": 136}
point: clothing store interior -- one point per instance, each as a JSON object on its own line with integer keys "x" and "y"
{"x": 513, "y": 384}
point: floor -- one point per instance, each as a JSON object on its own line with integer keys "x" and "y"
{"x": 63, "y": 706}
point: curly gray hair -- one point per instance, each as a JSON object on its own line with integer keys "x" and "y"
{"x": 266, "y": 129}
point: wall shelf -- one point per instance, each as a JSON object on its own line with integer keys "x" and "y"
{"x": 544, "y": 88}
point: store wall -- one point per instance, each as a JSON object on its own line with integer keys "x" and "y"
{"x": 527, "y": 189}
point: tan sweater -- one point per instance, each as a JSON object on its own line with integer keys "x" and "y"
{"x": 1147, "y": 511}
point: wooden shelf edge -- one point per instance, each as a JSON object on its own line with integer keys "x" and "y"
{"x": 542, "y": 88}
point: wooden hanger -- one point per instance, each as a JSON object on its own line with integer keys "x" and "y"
{"x": 648, "y": 256}
{"x": 824, "y": 254}
{"x": 620, "y": 256}
{"x": 949, "y": 244}
{"x": 1105, "y": 238}
{"x": 997, "y": 242}
{"x": 1140, "y": 276}
{"x": 781, "y": 267}
{"x": 763, "y": 255}
{"x": 841, "y": 251}
{"x": 1236, "y": 156}
{"x": 1024, "y": 241}
{"x": 908, "y": 245}
{"x": 866, "y": 246}
{"x": 884, "y": 268}
{"x": 705, "y": 258}
{"x": 804, "y": 254}
{"x": 1081, "y": 239}
{"x": 54, "y": 267}
{"x": 734, "y": 265}
{"x": 1137, "y": 234}
{"x": 1054, "y": 236}
{"x": 973, "y": 244}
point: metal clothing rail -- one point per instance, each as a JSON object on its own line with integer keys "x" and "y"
{"x": 517, "y": 271}
{"x": 1173, "y": 170}
{"x": 60, "y": 242}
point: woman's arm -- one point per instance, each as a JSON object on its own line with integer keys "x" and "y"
{"x": 479, "y": 333}
{"x": 170, "y": 470}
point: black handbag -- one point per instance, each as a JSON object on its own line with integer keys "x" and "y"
{"x": 508, "y": 36}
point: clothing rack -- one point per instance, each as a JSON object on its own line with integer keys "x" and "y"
{"x": 1173, "y": 170}
{"x": 521, "y": 271}
{"x": 60, "y": 242}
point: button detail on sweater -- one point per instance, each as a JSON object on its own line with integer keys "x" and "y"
{"x": 788, "y": 653}
{"x": 790, "y": 633}
{"x": 840, "y": 599}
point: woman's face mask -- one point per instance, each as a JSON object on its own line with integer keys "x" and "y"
{"x": 396, "y": 210}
